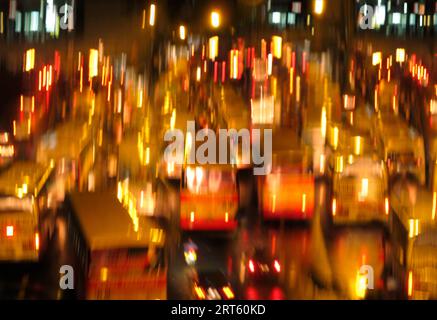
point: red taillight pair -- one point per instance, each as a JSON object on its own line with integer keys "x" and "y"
{"x": 276, "y": 266}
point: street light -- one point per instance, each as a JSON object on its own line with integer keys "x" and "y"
{"x": 182, "y": 32}
{"x": 319, "y": 6}
{"x": 215, "y": 19}
{"x": 152, "y": 15}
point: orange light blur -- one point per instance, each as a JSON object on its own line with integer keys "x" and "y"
{"x": 9, "y": 231}
{"x": 228, "y": 292}
{"x": 37, "y": 241}
{"x": 39, "y": 80}
{"x": 200, "y": 293}
{"x": 334, "y": 207}
{"x": 434, "y": 204}
{"x": 44, "y": 76}
{"x": 81, "y": 79}
{"x": 410, "y": 284}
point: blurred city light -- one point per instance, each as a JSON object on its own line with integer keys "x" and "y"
{"x": 277, "y": 46}
{"x": 93, "y": 64}
{"x": 319, "y": 6}
{"x": 213, "y": 47}
{"x": 182, "y": 32}
{"x": 152, "y": 14}
{"x": 215, "y": 19}
{"x": 376, "y": 58}
{"x": 30, "y": 60}
{"x": 400, "y": 55}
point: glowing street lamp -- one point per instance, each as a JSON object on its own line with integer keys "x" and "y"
{"x": 319, "y": 6}
{"x": 182, "y": 32}
{"x": 152, "y": 15}
{"x": 215, "y": 19}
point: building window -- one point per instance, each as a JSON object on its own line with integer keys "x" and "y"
{"x": 291, "y": 18}
{"x": 276, "y": 17}
{"x": 296, "y": 7}
{"x": 396, "y": 18}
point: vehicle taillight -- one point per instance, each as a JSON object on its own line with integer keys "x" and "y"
{"x": 334, "y": 207}
{"x": 277, "y": 266}
{"x": 200, "y": 293}
{"x": 37, "y": 241}
{"x": 251, "y": 266}
{"x": 410, "y": 284}
{"x": 228, "y": 292}
{"x": 9, "y": 231}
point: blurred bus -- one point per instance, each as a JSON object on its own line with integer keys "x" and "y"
{"x": 209, "y": 198}
{"x": 422, "y": 262}
{"x": 24, "y": 189}
{"x": 360, "y": 192}
{"x": 403, "y": 147}
{"x": 288, "y": 191}
{"x": 70, "y": 148}
{"x": 120, "y": 255}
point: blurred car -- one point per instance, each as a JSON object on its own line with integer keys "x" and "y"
{"x": 22, "y": 129}
{"x": 7, "y": 149}
{"x": 212, "y": 285}
{"x": 422, "y": 274}
{"x": 287, "y": 192}
{"x": 360, "y": 192}
{"x": 261, "y": 265}
{"x": 403, "y": 147}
